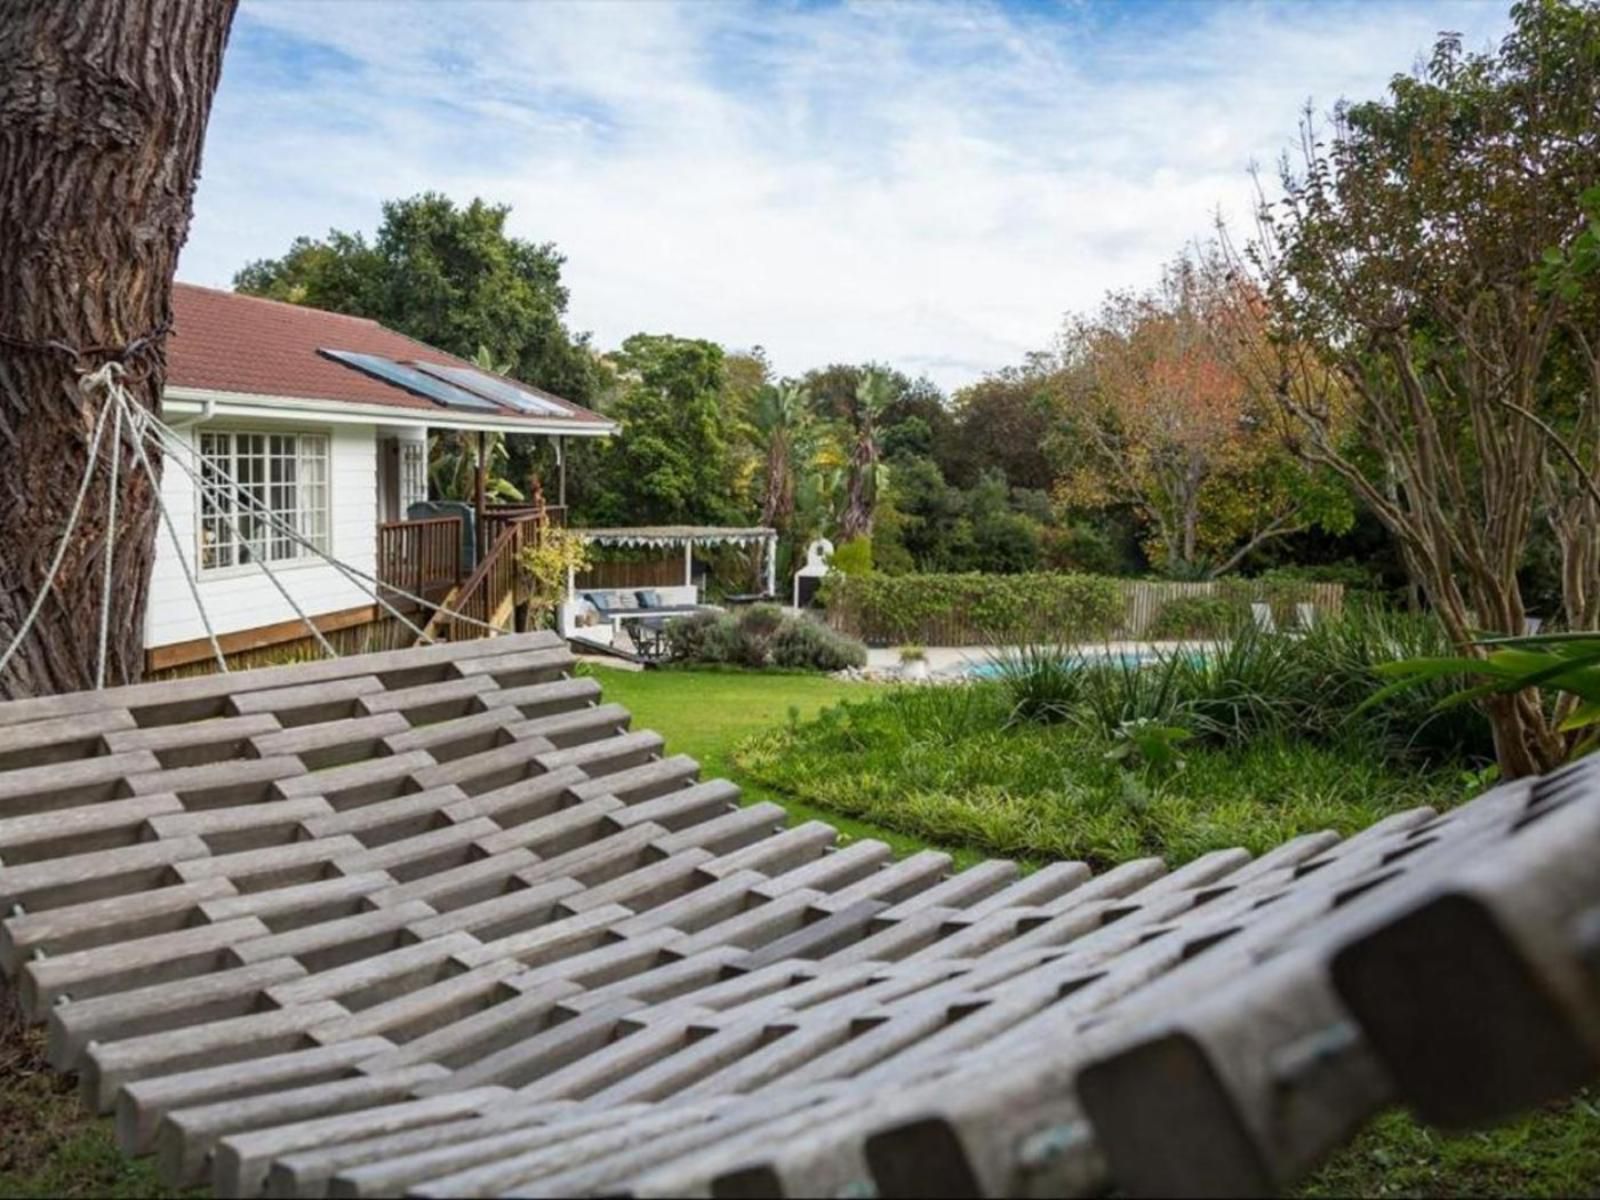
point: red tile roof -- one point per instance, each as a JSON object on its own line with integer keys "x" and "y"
{"x": 227, "y": 342}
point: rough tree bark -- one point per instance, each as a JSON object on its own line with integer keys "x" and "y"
{"x": 103, "y": 108}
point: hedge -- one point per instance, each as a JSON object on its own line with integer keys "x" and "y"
{"x": 954, "y": 610}
{"x": 984, "y": 609}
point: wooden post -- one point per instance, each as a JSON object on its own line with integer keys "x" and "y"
{"x": 480, "y": 487}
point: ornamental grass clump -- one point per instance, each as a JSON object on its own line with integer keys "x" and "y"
{"x": 1252, "y": 683}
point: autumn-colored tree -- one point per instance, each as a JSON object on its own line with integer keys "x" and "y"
{"x": 1154, "y": 417}
{"x": 1426, "y": 260}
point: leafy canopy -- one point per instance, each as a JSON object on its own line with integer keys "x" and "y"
{"x": 447, "y": 275}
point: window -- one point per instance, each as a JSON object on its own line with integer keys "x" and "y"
{"x": 413, "y": 476}
{"x": 247, "y": 476}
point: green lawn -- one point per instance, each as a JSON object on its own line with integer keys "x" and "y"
{"x": 707, "y": 714}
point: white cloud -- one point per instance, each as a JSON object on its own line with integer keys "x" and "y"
{"x": 931, "y": 185}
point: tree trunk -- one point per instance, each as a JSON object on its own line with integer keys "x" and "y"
{"x": 103, "y": 107}
{"x": 856, "y": 521}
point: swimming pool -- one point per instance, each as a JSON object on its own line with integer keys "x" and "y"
{"x": 1131, "y": 656}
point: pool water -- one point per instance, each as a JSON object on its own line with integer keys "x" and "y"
{"x": 1132, "y": 657}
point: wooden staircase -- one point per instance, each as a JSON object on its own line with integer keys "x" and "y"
{"x": 494, "y": 592}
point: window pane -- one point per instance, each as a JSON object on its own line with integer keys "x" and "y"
{"x": 285, "y": 503}
{"x": 313, "y": 478}
{"x": 216, "y": 541}
{"x": 270, "y": 487}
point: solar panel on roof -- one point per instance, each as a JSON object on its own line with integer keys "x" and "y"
{"x": 497, "y": 388}
{"x": 412, "y": 380}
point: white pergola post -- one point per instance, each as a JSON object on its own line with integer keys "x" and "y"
{"x": 688, "y": 563}
{"x": 772, "y": 567}
{"x": 572, "y": 594}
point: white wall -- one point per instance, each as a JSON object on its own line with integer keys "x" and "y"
{"x": 246, "y": 599}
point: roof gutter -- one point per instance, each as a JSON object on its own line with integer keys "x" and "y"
{"x": 208, "y": 409}
{"x": 178, "y": 399}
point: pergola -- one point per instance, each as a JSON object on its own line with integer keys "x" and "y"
{"x": 687, "y": 536}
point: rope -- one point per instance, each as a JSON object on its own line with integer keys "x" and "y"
{"x": 81, "y": 356}
{"x": 172, "y": 441}
{"x": 133, "y": 412}
{"x": 260, "y": 562}
{"x": 66, "y": 533}
{"x": 115, "y": 393}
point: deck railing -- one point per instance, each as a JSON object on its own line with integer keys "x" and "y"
{"x": 422, "y": 557}
{"x": 497, "y": 518}
{"x": 492, "y": 593}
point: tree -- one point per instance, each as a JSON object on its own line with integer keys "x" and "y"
{"x": 103, "y": 111}
{"x": 1004, "y": 421}
{"x": 872, "y": 397}
{"x": 449, "y": 276}
{"x": 453, "y": 455}
{"x": 672, "y": 461}
{"x": 1155, "y": 418}
{"x": 782, "y": 426}
{"x": 1417, "y": 263}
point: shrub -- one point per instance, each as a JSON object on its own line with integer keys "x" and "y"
{"x": 1353, "y": 577}
{"x": 1195, "y": 616}
{"x": 762, "y": 636}
{"x": 1339, "y": 663}
{"x": 942, "y": 764}
{"x": 802, "y": 643}
{"x": 723, "y": 644}
{"x": 853, "y": 557}
{"x": 759, "y": 621}
{"x": 972, "y": 607}
{"x": 1254, "y": 684}
{"x": 1042, "y": 683}
{"x": 686, "y": 636}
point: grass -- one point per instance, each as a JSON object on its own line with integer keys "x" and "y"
{"x": 50, "y": 1145}
{"x": 949, "y": 765}
{"x": 1553, "y": 1152}
{"x": 708, "y": 714}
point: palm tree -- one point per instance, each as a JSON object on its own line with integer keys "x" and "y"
{"x": 873, "y": 395}
{"x": 453, "y": 454}
{"x": 782, "y": 420}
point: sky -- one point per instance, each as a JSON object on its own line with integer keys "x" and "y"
{"x": 930, "y": 185}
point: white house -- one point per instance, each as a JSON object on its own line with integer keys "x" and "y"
{"x": 323, "y": 419}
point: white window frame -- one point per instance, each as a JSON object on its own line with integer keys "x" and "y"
{"x": 413, "y": 483}
{"x": 253, "y": 458}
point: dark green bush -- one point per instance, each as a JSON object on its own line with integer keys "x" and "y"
{"x": 973, "y": 607}
{"x": 1195, "y": 616}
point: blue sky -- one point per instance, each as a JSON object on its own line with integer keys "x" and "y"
{"x": 930, "y": 184}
